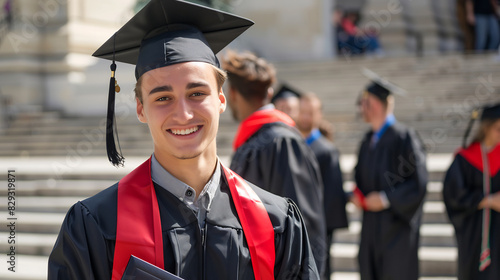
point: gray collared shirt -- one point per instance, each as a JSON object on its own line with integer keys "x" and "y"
{"x": 267, "y": 107}
{"x": 185, "y": 193}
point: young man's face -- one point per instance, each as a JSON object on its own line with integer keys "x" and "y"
{"x": 493, "y": 133}
{"x": 181, "y": 105}
{"x": 370, "y": 106}
{"x": 309, "y": 115}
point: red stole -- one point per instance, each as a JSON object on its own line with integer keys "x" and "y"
{"x": 255, "y": 121}
{"x": 473, "y": 155}
{"x": 139, "y": 232}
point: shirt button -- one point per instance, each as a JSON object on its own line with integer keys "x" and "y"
{"x": 189, "y": 193}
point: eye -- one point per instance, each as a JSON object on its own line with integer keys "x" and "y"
{"x": 197, "y": 94}
{"x": 163, "y": 98}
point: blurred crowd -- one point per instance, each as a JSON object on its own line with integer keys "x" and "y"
{"x": 472, "y": 26}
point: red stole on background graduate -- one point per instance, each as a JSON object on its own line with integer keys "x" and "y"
{"x": 255, "y": 121}
{"x": 138, "y": 227}
{"x": 489, "y": 165}
{"x": 473, "y": 155}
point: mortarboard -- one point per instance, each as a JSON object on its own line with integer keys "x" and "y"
{"x": 489, "y": 112}
{"x": 285, "y": 92}
{"x": 381, "y": 87}
{"x": 163, "y": 33}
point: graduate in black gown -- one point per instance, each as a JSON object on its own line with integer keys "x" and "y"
{"x": 334, "y": 197}
{"x": 471, "y": 192}
{"x": 391, "y": 180}
{"x": 181, "y": 210}
{"x": 269, "y": 150}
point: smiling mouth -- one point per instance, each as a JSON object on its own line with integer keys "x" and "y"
{"x": 183, "y": 132}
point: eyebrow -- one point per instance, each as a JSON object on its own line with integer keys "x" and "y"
{"x": 169, "y": 88}
{"x": 161, "y": 88}
{"x": 196, "y": 84}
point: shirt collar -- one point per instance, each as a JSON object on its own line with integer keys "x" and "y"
{"x": 389, "y": 121}
{"x": 267, "y": 107}
{"x": 315, "y": 135}
{"x": 183, "y": 191}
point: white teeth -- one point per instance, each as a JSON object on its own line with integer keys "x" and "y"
{"x": 184, "y": 131}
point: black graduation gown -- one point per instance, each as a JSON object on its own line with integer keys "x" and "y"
{"x": 85, "y": 246}
{"x": 462, "y": 192}
{"x": 390, "y": 238}
{"x": 334, "y": 197}
{"x": 277, "y": 159}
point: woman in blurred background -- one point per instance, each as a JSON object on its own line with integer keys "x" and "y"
{"x": 471, "y": 193}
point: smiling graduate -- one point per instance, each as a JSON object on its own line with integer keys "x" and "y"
{"x": 181, "y": 210}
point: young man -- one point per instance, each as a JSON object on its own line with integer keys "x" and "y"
{"x": 269, "y": 151}
{"x": 391, "y": 180}
{"x": 309, "y": 121}
{"x": 181, "y": 210}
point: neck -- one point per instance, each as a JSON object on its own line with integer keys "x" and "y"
{"x": 195, "y": 172}
{"x": 488, "y": 143}
{"x": 250, "y": 108}
{"x": 306, "y": 133}
{"x": 378, "y": 122}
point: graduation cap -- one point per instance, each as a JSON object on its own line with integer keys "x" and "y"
{"x": 285, "y": 92}
{"x": 381, "y": 87}
{"x": 163, "y": 33}
{"x": 489, "y": 112}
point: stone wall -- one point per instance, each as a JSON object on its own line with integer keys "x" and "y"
{"x": 287, "y": 30}
{"x": 45, "y": 57}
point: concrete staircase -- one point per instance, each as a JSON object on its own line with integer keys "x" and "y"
{"x": 442, "y": 90}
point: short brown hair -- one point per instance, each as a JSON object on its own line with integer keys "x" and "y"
{"x": 250, "y": 75}
{"x": 220, "y": 78}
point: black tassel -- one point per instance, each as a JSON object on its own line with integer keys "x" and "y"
{"x": 474, "y": 116}
{"x": 114, "y": 156}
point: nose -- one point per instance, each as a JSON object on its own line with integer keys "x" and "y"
{"x": 182, "y": 111}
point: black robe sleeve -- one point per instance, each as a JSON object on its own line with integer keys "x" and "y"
{"x": 81, "y": 250}
{"x": 334, "y": 198}
{"x": 294, "y": 258}
{"x": 409, "y": 187}
{"x": 461, "y": 199}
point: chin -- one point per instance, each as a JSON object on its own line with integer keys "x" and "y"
{"x": 187, "y": 155}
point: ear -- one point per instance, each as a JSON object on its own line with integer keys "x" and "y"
{"x": 270, "y": 93}
{"x": 222, "y": 99}
{"x": 140, "y": 111}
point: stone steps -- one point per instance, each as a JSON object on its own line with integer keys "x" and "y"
{"x": 433, "y": 261}
{"x": 431, "y": 235}
{"x": 28, "y": 267}
{"x": 441, "y": 90}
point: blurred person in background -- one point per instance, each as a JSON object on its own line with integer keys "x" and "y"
{"x": 356, "y": 40}
{"x": 483, "y": 14}
{"x": 391, "y": 179}
{"x": 466, "y": 28}
{"x": 269, "y": 150}
{"x": 471, "y": 193}
{"x": 334, "y": 197}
